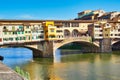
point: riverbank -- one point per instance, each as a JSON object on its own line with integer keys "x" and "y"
{"x": 8, "y": 74}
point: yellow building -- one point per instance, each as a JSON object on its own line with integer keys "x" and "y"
{"x": 106, "y": 30}
{"x": 49, "y": 30}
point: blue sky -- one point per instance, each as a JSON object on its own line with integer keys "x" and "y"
{"x": 52, "y": 9}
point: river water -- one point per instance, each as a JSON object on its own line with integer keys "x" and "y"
{"x": 87, "y": 66}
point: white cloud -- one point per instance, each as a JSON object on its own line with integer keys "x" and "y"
{"x": 25, "y": 16}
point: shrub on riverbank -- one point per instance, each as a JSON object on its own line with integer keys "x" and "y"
{"x": 22, "y": 73}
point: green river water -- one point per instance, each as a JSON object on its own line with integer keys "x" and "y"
{"x": 80, "y": 66}
{"x": 89, "y": 66}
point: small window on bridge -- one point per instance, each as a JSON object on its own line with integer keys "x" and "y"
{"x": 97, "y": 26}
{"x": 24, "y": 38}
{"x": 51, "y": 36}
{"x": 52, "y": 30}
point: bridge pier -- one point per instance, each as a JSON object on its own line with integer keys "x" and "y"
{"x": 105, "y": 45}
{"x": 42, "y": 49}
{"x": 47, "y": 48}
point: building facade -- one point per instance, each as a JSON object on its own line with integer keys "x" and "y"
{"x": 24, "y": 31}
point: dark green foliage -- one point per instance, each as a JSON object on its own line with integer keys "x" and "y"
{"x": 71, "y": 46}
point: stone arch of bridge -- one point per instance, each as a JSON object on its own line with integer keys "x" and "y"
{"x": 115, "y": 45}
{"x": 58, "y": 45}
{"x": 77, "y": 42}
{"x": 36, "y": 52}
{"x": 115, "y": 42}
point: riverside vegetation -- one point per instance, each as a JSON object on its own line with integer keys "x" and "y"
{"x": 24, "y": 74}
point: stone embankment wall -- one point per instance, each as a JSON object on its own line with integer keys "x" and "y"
{"x": 8, "y": 74}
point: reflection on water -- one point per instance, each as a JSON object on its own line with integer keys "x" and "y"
{"x": 70, "y": 67}
{"x": 16, "y": 56}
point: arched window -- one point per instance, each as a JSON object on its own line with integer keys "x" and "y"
{"x": 75, "y": 33}
{"x": 66, "y": 33}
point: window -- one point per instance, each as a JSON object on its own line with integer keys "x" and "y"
{"x": 22, "y": 32}
{"x": 18, "y": 32}
{"x": 21, "y": 38}
{"x": 16, "y": 38}
{"x": 9, "y": 33}
{"x": 5, "y": 39}
{"x": 96, "y": 35}
{"x": 97, "y": 26}
{"x": 27, "y": 27}
{"x": 29, "y": 37}
{"x": 52, "y": 30}
{"x": 14, "y": 32}
{"x": 106, "y": 34}
{"x": 105, "y": 29}
{"x": 75, "y": 24}
{"x": 41, "y": 36}
{"x": 119, "y": 30}
{"x": 42, "y": 31}
{"x": 11, "y": 39}
{"x": 115, "y": 34}
{"x": 21, "y": 28}
{"x": 29, "y": 31}
{"x": 5, "y": 33}
{"x": 59, "y": 31}
{"x": 24, "y": 38}
{"x": 13, "y": 28}
{"x": 32, "y": 37}
{"x": 4, "y": 27}
{"x": 66, "y": 24}
{"x": 107, "y": 24}
{"x": 100, "y": 35}
{"x": 52, "y": 36}
{"x": 36, "y": 37}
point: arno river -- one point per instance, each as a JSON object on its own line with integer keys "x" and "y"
{"x": 88, "y": 66}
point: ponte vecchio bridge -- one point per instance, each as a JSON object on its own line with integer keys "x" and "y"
{"x": 44, "y": 37}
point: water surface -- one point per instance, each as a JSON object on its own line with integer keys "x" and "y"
{"x": 89, "y": 66}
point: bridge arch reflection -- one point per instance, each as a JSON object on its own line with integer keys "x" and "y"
{"x": 35, "y": 52}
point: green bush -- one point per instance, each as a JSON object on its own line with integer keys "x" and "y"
{"x": 24, "y": 74}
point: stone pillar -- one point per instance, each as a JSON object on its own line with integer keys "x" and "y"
{"x": 37, "y": 53}
{"x": 43, "y": 49}
{"x": 47, "y": 48}
{"x": 105, "y": 45}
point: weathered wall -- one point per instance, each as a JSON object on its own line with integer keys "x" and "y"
{"x": 105, "y": 45}
{"x": 47, "y": 48}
